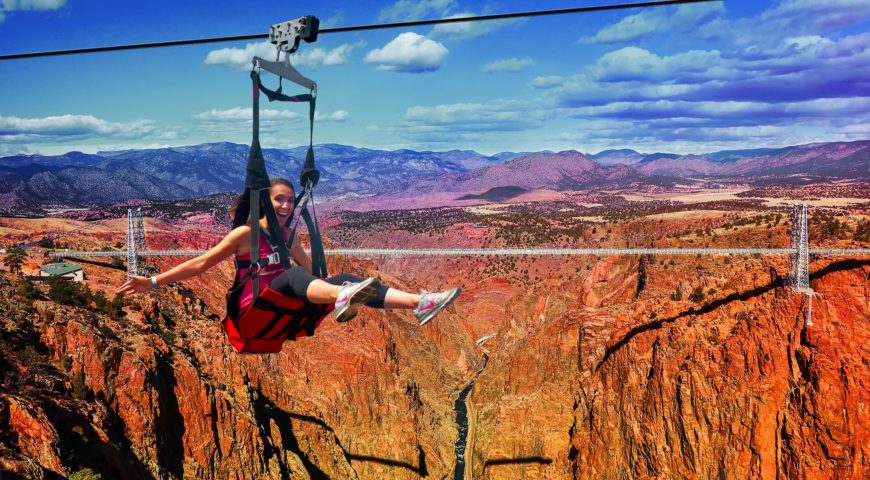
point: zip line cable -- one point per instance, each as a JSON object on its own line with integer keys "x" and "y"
{"x": 379, "y": 26}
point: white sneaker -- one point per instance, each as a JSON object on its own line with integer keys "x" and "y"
{"x": 432, "y": 303}
{"x": 351, "y": 296}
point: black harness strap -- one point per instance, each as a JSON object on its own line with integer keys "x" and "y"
{"x": 255, "y": 200}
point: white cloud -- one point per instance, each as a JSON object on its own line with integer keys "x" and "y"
{"x": 63, "y": 128}
{"x": 547, "y": 81}
{"x": 9, "y": 149}
{"x": 240, "y": 58}
{"x": 499, "y": 115}
{"x": 336, "y": 116}
{"x": 507, "y": 65}
{"x": 238, "y": 114}
{"x": 633, "y": 63}
{"x": 818, "y": 15}
{"x": 409, "y": 10}
{"x": 12, "y": 5}
{"x": 408, "y": 52}
{"x": 275, "y": 124}
{"x": 334, "y": 21}
{"x": 245, "y": 114}
{"x": 314, "y": 57}
{"x": 468, "y": 30}
{"x": 658, "y": 20}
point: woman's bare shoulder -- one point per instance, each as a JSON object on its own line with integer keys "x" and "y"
{"x": 239, "y": 236}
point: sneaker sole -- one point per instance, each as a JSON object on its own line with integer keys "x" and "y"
{"x": 365, "y": 292}
{"x": 436, "y": 310}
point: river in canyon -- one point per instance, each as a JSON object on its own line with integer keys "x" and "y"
{"x": 461, "y": 409}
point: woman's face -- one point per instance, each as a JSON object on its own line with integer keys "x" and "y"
{"x": 282, "y": 201}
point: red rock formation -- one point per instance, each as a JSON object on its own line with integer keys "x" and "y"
{"x": 595, "y": 372}
{"x": 165, "y": 396}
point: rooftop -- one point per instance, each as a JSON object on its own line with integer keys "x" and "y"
{"x": 60, "y": 268}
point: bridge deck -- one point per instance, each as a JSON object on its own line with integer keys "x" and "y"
{"x": 366, "y": 252}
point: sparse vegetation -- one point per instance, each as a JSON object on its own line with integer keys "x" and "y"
{"x": 697, "y": 294}
{"x": 79, "y": 389}
{"x": 28, "y": 290}
{"x": 66, "y": 292}
{"x": 14, "y": 259}
{"x": 85, "y": 474}
{"x": 66, "y": 363}
{"x": 862, "y": 232}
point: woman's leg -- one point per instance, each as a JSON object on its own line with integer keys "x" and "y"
{"x": 297, "y": 282}
{"x": 391, "y": 298}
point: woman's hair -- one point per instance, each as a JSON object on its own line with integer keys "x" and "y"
{"x": 238, "y": 201}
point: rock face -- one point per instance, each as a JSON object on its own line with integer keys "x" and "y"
{"x": 742, "y": 391}
{"x": 160, "y": 394}
{"x": 735, "y": 386}
{"x": 594, "y": 372}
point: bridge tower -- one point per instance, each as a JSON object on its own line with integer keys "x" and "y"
{"x": 799, "y": 258}
{"x": 135, "y": 241}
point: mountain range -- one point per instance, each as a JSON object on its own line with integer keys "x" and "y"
{"x": 29, "y": 183}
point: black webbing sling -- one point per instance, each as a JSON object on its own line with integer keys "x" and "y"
{"x": 256, "y": 195}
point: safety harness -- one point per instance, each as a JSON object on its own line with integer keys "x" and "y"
{"x": 272, "y": 318}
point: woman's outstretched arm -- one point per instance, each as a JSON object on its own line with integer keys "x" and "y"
{"x": 193, "y": 267}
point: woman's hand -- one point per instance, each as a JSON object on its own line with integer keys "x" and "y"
{"x": 135, "y": 284}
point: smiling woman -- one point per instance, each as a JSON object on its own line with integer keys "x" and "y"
{"x": 296, "y": 298}
{"x": 292, "y": 293}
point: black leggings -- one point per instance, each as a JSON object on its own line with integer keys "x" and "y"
{"x": 295, "y": 282}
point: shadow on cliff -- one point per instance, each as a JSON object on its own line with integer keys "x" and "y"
{"x": 82, "y": 446}
{"x": 419, "y": 469}
{"x": 737, "y": 296}
{"x": 170, "y": 422}
{"x": 517, "y": 461}
{"x": 265, "y": 410}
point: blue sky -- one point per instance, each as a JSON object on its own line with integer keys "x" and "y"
{"x": 691, "y": 78}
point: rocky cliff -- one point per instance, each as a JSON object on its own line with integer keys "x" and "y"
{"x": 158, "y": 393}
{"x": 614, "y": 379}
{"x": 597, "y": 370}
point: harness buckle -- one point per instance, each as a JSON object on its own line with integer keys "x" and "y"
{"x": 273, "y": 258}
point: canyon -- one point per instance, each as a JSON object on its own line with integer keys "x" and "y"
{"x": 595, "y": 369}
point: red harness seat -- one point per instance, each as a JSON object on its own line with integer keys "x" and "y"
{"x": 271, "y": 319}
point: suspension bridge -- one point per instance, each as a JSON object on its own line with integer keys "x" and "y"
{"x": 798, "y": 251}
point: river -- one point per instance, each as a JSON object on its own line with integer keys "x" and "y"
{"x": 461, "y": 409}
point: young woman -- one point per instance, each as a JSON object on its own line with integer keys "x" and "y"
{"x": 346, "y": 291}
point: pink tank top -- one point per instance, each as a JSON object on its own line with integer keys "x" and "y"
{"x": 267, "y": 274}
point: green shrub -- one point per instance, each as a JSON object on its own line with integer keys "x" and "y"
{"x": 100, "y": 301}
{"x": 28, "y": 290}
{"x": 168, "y": 336}
{"x": 677, "y": 295}
{"x": 697, "y": 294}
{"x": 28, "y": 355}
{"x": 107, "y": 332}
{"x": 79, "y": 389}
{"x": 65, "y": 292}
{"x": 66, "y": 363}
{"x": 85, "y": 474}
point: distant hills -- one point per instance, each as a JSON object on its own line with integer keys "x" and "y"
{"x": 29, "y": 183}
